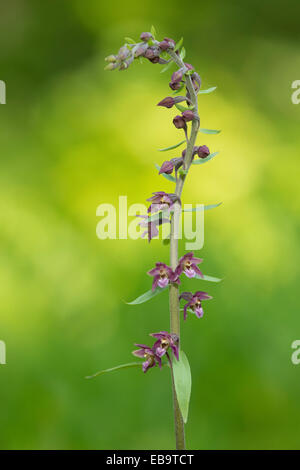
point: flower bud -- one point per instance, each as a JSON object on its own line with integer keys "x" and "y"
{"x": 175, "y": 85}
{"x": 203, "y": 151}
{"x": 167, "y": 102}
{"x": 167, "y": 43}
{"x": 196, "y": 81}
{"x": 151, "y": 53}
{"x": 189, "y": 66}
{"x": 141, "y": 50}
{"x": 177, "y": 76}
{"x": 123, "y": 53}
{"x": 179, "y": 122}
{"x": 188, "y": 115}
{"x": 110, "y": 66}
{"x": 167, "y": 167}
{"x": 111, "y": 58}
{"x": 155, "y": 60}
{"x": 146, "y": 36}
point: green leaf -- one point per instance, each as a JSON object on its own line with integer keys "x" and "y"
{"x": 183, "y": 108}
{"x": 178, "y": 45}
{"x": 168, "y": 177}
{"x": 202, "y": 208}
{"x": 209, "y": 131}
{"x": 147, "y": 296}
{"x": 204, "y": 160}
{"x": 183, "y": 172}
{"x": 208, "y": 278}
{"x": 153, "y": 31}
{"x": 172, "y": 147}
{"x": 130, "y": 41}
{"x": 182, "y": 53}
{"x": 123, "y": 366}
{"x": 183, "y": 383}
{"x": 209, "y": 90}
{"x": 167, "y": 67}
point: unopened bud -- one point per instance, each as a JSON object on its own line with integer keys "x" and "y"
{"x": 123, "y": 53}
{"x": 188, "y": 115}
{"x": 177, "y": 76}
{"x": 175, "y": 85}
{"x": 111, "y": 58}
{"x": 146, "y": 36}
{"x": 203, "y": 151}
{"x": 110, "y": 66}
{"x": 167, "y": 167}
{"x": 141, "y": 50}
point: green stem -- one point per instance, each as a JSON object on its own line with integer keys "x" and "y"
{"x": 174, "y": 236}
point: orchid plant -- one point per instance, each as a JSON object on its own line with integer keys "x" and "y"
{"x": 166, "y": 208}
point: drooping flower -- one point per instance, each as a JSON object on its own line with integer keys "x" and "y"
{"x": 147, "y": 353}
{"x": 165, "y": 341}
{"x": 162, "y": 200}
{"x": 188, "y": 265}
{"x": 179, "y": 122}
{"x": 194, "y": 302}
{"x": 151, "y": 226}
{"x": 162, "y": 275}
{"x": 203, "y": 151}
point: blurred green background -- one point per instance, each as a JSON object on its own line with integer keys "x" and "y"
{"x": 73, "y": 137}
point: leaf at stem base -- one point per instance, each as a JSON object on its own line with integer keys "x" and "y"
{"x": 183, "y": 383}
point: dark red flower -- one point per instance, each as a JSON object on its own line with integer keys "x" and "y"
{"x": 188, "y": 265}
{"x": 162, "y": 276}
{"x": 194, "y": 302}
{"x": 165, "y": 341}
{"x": 147, "y": 353}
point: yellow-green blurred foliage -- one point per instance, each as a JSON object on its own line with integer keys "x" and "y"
{"x": 73, "y": 137}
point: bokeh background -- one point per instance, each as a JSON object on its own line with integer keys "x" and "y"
{"x": 73, "y": 137}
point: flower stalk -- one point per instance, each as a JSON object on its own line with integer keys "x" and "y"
{"x": 166, "y": 208}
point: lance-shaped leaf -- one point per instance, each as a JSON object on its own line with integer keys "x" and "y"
{"x": 209, "y": 131}
{"x": 168, "y": 177}
{"x": 172, "y": 147}
{"x": 183, "y": 383}
{"x": 147, "y": 296}
{"x": 123, "y": 366}
{"x": 204, "y": 160}
{"x": 130, "y": 40}
{"x": 184, "y": 108}
{"x": 203, "y": 207}
{"x": 209, "y": 90}
{"x": 182, "y": 53}
{"x": 178, "y": 45}
{"x": 208, "y": 278}
{"x": 153, "y": 31}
